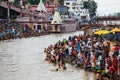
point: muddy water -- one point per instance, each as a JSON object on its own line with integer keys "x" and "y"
{"x": 23, "y": 59}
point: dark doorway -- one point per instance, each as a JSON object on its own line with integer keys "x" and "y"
{"x": 39, "y": 27}
{"x": 56, "y": 28}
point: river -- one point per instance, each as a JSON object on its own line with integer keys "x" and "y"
{"x": 23, "y": 59}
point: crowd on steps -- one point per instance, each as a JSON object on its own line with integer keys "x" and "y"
{"x": 13, "y": 31}
{"x": 88, "y": 52}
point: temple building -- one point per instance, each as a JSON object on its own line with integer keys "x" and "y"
{"x": 41, "y": 7}
{"x": 56, "y": 22}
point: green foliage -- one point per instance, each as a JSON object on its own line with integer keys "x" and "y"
{"x": 118, "y": 14}
{"x": 36, "y": 1}
{"x": 61, "y": 2}
{"x": 33, "y": 1}
{"x": 16, "y": 3}
{"x": 91, "y": 5}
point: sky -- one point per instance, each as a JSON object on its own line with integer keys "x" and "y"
{"x": 106, "y": 7}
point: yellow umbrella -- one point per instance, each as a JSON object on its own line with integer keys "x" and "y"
{"x": 100, "y": 32}
{"x": 115, "y": 30}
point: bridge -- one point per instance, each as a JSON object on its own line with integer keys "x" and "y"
{"x": 102, "y": 21}
{"x": 97, "y": 25}
{"x": 108, "y": 18}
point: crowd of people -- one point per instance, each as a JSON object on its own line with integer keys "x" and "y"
{"x": 13, "y": 31}
{"x": 88, "y": 52}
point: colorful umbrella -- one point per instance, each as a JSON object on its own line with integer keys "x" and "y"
{"x": 115, "y": 30}
{"x": 112, "y": 37}
{"x": 100, "y": 32}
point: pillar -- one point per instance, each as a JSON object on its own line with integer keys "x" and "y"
{"x": 58, "y": 28}
{"x": 53, "y": 28}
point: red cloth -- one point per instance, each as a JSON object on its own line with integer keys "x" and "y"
{"x": 116, "y": 48}
{"x": 79, "y": 37}
{"x": 115, "y": 62}
{"x": 74, "y": 42}
{"x": 111, "y": 68}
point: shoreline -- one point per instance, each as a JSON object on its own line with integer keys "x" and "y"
{"x": 91, "y": 69}
{"x": 40, "y": 34}
{"x": 70, "y": 59}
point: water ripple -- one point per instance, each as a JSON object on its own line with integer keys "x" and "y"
{"x": 23, "y": 59}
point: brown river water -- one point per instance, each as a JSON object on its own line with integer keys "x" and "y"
{"x": 23, "y": 59}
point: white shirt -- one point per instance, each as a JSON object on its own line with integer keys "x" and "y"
{"x": 70, "y": 50}
{"x": 52, "y": 52}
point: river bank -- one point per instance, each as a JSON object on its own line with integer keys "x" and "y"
{"x": 92, "y": 69}
{"x": 23, "y": 59}
{"x": 90, "y": 53}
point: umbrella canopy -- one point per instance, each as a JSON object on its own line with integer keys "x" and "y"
{"x": 115, "y": 30}
{"x": 100, "y": 32}
{"x": 112, "y": 37}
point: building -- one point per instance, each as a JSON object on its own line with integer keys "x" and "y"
{"x": 76, "y": 7}
{"x": 71, "y": 4}
{"x": 50, "y": 7}
{"x": 56, "y": 22}
{"x": 62, "y": 9}
{"x": 41, "y": 7}
{"x": 40, "y": 22}
{"x": 63, "y": 23}
{"x": 109, "y": 20}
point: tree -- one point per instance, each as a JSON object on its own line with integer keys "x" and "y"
{"x": 118, "y": 14}
{"x": 61, "y": 2}
{"x": 91, "y": 5}
{"x": 36, "y": 1}
{"x": 33, "y": 1}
